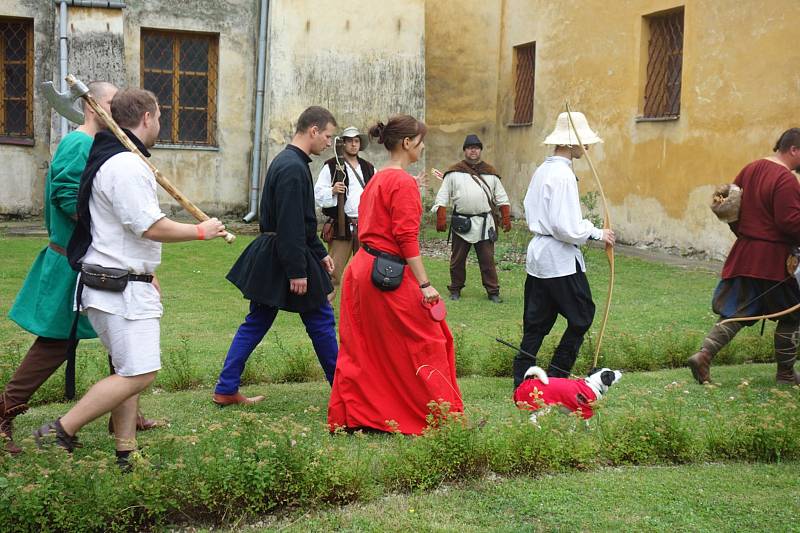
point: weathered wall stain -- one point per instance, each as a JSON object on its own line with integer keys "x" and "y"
{"x": 364, "y": 74}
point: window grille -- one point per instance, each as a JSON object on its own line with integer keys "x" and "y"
{"x": 662, "y": 95}
{"x": 16, "y": 80}
{"x": 181, "y": 69}
{"x": 525, "y": 59}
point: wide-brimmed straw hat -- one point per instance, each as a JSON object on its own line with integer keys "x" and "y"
{"x": 351, "y": 132}
{"x": 563, "y": 135}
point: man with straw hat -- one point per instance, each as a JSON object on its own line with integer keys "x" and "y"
{"x": 556, "y": 283}
{"x": 327, "y": 191}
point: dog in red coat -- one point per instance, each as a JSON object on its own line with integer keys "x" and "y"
{"x": 538, "y": 391}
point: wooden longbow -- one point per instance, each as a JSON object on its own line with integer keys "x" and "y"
{"x": 606, "y": 225}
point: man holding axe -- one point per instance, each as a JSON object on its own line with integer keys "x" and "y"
{"x": 117, "y": 246}
{"x": 44, "y": 303}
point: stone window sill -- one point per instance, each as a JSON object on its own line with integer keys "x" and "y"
{"x": 17, "y": 141}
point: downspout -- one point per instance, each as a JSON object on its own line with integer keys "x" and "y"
{"x": 258, "y": 123}
{"x": 62, "y": 58}
{"x": 62, "y": 43}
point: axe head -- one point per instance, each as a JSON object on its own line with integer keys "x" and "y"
{"x": 64, "y": 103}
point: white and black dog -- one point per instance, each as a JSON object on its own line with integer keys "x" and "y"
{"x": 539, "y": 391}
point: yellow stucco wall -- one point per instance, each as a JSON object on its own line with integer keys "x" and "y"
{"x": 740, "y": 90}
{"x": 462, "y": 62}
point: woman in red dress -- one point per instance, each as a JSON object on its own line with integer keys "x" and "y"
{"x": 394, "y": 358}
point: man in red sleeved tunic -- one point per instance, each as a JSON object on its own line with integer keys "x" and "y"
{"x": 754, "y": 278}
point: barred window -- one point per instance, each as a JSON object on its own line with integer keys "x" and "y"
{"x": 525, "y": 61}
{"x": 16, "y": 80}
{"x": 181, "y": 69}
{"x": 662, "y": 94}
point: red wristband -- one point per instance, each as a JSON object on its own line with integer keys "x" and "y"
{"x": 201, "y": 235}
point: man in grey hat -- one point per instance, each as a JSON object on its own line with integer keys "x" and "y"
{"x": 474, "y": 190}
{"x": 343, "y": 176}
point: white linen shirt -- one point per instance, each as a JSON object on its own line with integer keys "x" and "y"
{"x": 553, "y": 213}
{"x": 467, "y": 197}
{"x": 123, "y": 206}
{"x": 323, "y": 189}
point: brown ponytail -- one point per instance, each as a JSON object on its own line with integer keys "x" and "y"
{"x": 398, "y": 128}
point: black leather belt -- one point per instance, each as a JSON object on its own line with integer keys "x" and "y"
{"x": 144, "y": 278}
{"x": 378, "y": 253}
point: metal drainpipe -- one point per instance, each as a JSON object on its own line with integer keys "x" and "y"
{"x": 62, "y": 56}
{"x": 259, "y": 118}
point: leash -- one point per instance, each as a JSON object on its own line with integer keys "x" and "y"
{"x": 501, "y": 341}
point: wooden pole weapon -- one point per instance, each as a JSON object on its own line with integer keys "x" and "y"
{"x": 606, "y": 225}
{"x": 167, "y": 185}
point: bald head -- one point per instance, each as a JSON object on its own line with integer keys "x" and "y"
{"x": 100, "y": 90}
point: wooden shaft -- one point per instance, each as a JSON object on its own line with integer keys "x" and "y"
{"x": 340, "y": 201}
{"x": 167, "y": 185}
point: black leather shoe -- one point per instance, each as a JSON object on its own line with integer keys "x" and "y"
{"x": 455, "y": 296}
{"x": 496, "y": 298}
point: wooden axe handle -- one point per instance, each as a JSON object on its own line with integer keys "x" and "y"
{"x": 167, "y": 185}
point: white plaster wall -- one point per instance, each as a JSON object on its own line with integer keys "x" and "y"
{"x": 363, "y": 64}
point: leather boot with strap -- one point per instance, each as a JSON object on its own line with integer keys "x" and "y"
{"x": 786, "y": 344}
{"x": 7, "y": 425}
{"x": 700, "y": 364}
{"x": 786, "y": 374}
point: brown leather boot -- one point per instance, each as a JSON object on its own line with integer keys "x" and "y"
{"x": 700, "y": 364}
{"x": 7, "y": 426}
{"x": 786, "y": 374}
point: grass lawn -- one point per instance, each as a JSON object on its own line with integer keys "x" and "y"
{"x": 658, "y": 317}
{"x": 683, "y": 498}
{"x": 662, "y": 452}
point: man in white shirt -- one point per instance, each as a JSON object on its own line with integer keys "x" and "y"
{"x": 343, "y": 177}
{"x": 121, "y": 226}
{"x": 556, "y": 282}
{"x": 473, "y": 188}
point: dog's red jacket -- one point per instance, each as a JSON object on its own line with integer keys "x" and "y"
{"x": 573, "y": 394}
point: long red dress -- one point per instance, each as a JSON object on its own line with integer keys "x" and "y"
{"x": 394, "y": 358}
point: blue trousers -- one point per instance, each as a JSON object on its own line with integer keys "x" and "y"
{"x": 320, "y": 326}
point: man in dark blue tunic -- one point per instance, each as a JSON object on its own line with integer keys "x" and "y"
{"x": 286, "y": 267}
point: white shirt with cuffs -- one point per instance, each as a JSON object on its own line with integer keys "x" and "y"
{"x": 553, "y": 213}
{"x": 323, "y": 189}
